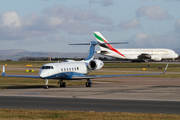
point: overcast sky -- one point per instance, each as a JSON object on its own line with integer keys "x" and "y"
{"x": 50, "y": 25}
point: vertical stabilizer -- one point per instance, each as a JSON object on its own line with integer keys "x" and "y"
{"x": 105, "y": 47}
{"x": 91, "y": 50}
{"x": 101, "y": 39}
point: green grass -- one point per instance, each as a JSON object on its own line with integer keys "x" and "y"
{"x": 21, "y": 114}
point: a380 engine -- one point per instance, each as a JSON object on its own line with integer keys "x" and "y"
{"x": 156, "y": 57}
{"x": 95, "y": 64}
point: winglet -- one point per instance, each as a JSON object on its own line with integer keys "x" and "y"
{"x": 3, "y": 71}
{"x": 165, "y": 68}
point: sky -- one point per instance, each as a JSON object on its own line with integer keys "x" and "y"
{"x": 50, "y": 25}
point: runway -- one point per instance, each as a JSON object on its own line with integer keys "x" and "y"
{"x": 97, "y": 105}
{"x": 124, "y": 94}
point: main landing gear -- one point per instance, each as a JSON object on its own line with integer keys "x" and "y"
{"x": 88, "y": 83}
{"x": 62, "y": 84}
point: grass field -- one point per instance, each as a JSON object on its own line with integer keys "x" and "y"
{"x": 15, "y": 114}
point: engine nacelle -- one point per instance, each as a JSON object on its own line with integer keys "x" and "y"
{"x": 156, "y": 57}
{"x": 95, "y": 64}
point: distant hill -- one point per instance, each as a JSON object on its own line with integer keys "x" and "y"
{"x": 15, "y": 54}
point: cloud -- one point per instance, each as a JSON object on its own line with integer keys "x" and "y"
{"x": 177, "y": 26}
{"x": 141, "y": 36}
{"x": 106, "y": 2}
{"x": 11, "y": 19}
{"x": 51, "y": 21}
{"x": 134, "y": 23}
{"x": 153, "y": 13}
{"x": 144, "y": 40}
{"x": 103, "y": 3}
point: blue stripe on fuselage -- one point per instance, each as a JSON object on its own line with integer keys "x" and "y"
{"x": 64, "y": 75}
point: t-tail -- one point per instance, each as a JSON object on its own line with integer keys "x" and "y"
{"x": 91, "y": 50}
{"x": 106, "y": 47}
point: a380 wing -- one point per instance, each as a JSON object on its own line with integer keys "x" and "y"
{"x": 122, "y": 75}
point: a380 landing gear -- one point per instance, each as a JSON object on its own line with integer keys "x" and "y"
{"x": 88, "y": 83}
{"x": 62, "y": 84}
{"x": 46, "y": 84}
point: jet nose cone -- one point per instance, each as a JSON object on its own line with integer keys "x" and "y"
{"x": 176, "y": 55}
{"x": 42, "y": 74}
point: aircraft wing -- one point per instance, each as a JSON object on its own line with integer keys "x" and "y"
{"x": 26, "y": 76}
{"x": 144, "y": 56}
{"x": 122, "y": 75}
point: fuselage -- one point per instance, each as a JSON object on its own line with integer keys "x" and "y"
{"x": 69, "y": 69}
{"x": 63, "y": 70}
{"x": 135, "y": 53}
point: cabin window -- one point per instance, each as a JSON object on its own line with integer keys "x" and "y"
{"x": 64, "y": 69}
{"x": 69, "y": 69}
{"x": 47, "y": 67}
{"x": 61, "y": 69}
{"x": 74, "y": 68}
{"x": 77, "y": 68}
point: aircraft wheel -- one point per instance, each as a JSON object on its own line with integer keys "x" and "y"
{"x": 64, "y": 84}
{"x": 46, "y": 87}
{"x": 61, "y": 84}
{"x": 87, "y": 85}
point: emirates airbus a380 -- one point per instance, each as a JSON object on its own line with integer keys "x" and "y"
{"x": 139, "y": 55}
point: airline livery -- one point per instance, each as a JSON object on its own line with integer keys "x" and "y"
{"x": 74, "y": 70}
{"x": 139, "y": 55}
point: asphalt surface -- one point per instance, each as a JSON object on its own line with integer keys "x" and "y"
{"x": 97, "y": 105}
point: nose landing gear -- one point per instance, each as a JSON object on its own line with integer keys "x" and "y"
{"x": 46, "y": 84}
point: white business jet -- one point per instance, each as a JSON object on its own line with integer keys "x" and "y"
{"x": 135, "y": 55}
{"x": 74, "y": 70}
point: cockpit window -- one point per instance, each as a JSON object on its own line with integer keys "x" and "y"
{"x": 47, "y": 67}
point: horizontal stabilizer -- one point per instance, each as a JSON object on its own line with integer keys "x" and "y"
{"x": 96, "y": 43}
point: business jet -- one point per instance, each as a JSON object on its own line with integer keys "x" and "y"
{"x": 74, "y": 70}
{"x": 135, "y": 55}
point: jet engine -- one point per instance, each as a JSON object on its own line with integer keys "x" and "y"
{"x": 95, "y": 64}
{"x": 156, "y": 57}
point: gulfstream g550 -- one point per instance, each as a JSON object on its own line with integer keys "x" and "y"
{"x": 74, "y": 70}
{"x": 140, "y": 55}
